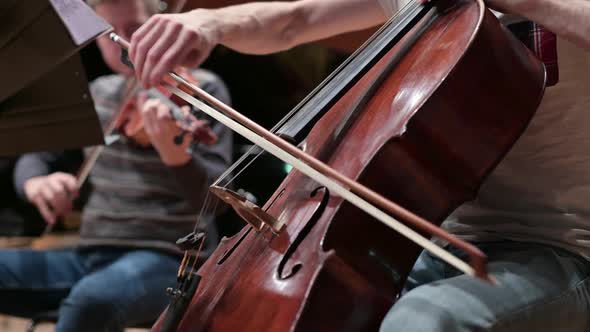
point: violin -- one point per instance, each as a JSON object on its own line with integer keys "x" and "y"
{"x": 129, "y": 121}
{"x": 404, "y": 132}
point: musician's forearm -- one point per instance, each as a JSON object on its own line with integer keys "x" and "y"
{"x": 569, "y": 19}
{"x": 256, "y": 28}
{"x": 265, "y": 27}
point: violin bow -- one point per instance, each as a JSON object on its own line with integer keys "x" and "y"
{"x": 350, "y": 190}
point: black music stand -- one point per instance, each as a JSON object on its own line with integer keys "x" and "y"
{"x": 44, "y": 99}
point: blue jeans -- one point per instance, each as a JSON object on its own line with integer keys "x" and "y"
{"x": 95, "y": 289}
{"x": 540, "y": 288}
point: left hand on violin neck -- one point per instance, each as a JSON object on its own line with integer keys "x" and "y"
{"x": 162, "y": 129}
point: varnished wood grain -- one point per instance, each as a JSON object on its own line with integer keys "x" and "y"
{"x": 451, "y": 108}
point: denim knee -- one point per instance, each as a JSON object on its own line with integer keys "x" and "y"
{"x": 89, "y": 310}
{"x": 418, "y": 311}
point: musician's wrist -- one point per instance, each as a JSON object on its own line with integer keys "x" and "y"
{"x": 210, "y": 24}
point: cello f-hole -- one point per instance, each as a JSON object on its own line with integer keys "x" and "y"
{"x": 283, "y": 272}
{"x": 233, "y": 248}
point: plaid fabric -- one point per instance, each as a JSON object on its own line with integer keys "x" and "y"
{"x": 543, "y": 43}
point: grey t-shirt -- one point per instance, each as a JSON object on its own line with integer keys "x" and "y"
{"x": 540, "y": 191}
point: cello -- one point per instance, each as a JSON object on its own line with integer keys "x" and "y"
{"x": 419, "y": 115}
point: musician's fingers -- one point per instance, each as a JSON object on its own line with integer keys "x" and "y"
{"x": 201, "y": 124}
{"x": 56, "y": 190}
{"x": 157, "y": 52}
{"x": 47, "y": 193}
{"x": 148, "y": 112}
{"x": 48, "y": 197}
{"x": 163, "y": 113}
{"x": 57, "y": 197}
{"x": 69, "y": 182}
{"x": 139, "y": 34}
{"x": 44, "y": 209}
{"x": 175, "y": 52}
{"x": 144, "y": 46}
{"x": 142, "y": 97}
{"x": 185, "y": 118}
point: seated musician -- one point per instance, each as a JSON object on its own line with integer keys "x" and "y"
{"x": 531, "y": 217}
{"x": 143, "y": 199}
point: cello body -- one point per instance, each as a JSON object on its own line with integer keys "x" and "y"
{"x": 422, "y": 125}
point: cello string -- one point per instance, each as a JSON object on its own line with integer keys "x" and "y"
{"x": 262, "y": 137}
{"x": 196, "y": 258}
{"x": 236, "y": 164}
{"x": 405, "y": 8}
{"x": 332, "y": 185}
{"x": 249, "y": 153}
{"x": 204, "y": 207}
{"x": 228, "y": 182}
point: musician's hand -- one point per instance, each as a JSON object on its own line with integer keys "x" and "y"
{"x": 162, "y": 129}
{"x": 52, "y": 194}
{"x": 168, "y": 40}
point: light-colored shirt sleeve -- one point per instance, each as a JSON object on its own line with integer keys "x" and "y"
{"x": 393, "y": 6}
